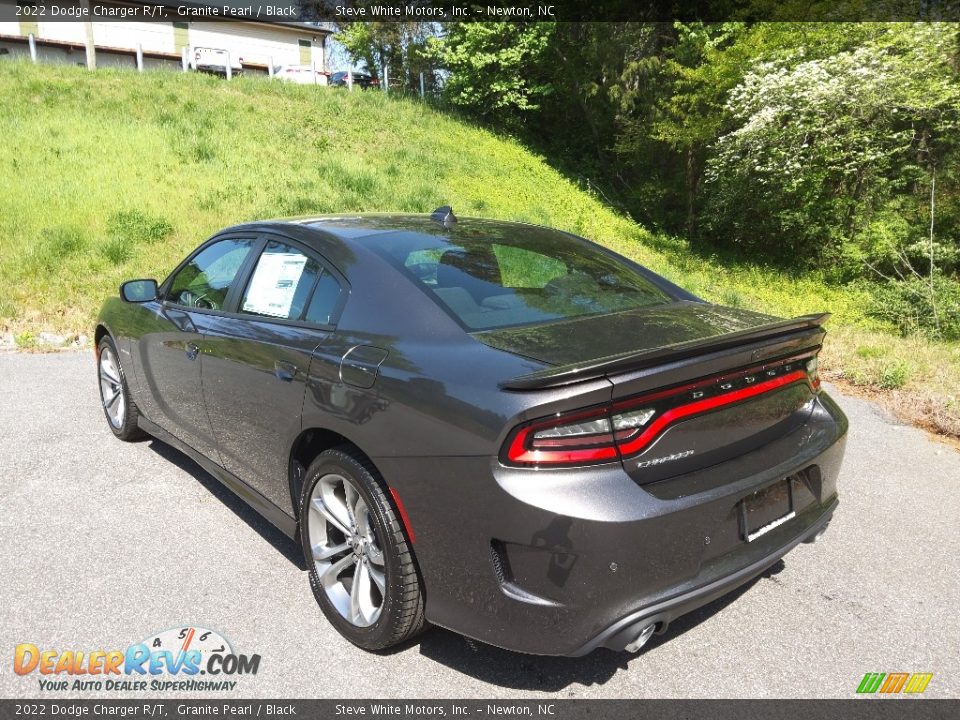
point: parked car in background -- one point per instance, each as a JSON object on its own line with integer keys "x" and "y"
{"x": 360, "y": 79}
{"x": 214, "y": 60}
{"x": 500, "y": 428}
{"x": 302, "y": 74}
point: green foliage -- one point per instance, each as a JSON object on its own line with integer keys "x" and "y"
{"x": 496, "y": 68}
{"x": 399, "y": 46}
{"x": 138, "y": 226}
{"x": 821, "y": 150}
{"x": 894, "y": 375}
{"x": 78, "y": 223}
{"x": 57, "y": 245}
{"x": 26, "y": 340}
{"x": 915, "y": 304}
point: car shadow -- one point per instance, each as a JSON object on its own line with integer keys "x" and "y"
{"x": 284, "y": 545}
{"x": 554, "y": 674}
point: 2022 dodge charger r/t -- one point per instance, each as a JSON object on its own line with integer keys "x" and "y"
{"x": 498, "y": 428}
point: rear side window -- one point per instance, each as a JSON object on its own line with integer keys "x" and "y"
{"x": 325, "y": 300}
{"x": 490, "y": 279}
{"x": 289, "y": 285}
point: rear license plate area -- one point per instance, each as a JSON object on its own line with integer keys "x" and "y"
{"x": 766, "y": 509}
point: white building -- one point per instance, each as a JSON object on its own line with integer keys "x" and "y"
{"x": 255, "y": 44}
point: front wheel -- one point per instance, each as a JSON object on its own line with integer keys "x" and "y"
{"x": 118, "y": 406}
{"x": 361, "y": 565}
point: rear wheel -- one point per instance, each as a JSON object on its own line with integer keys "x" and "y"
{"x": 361, "y": 566}
{"x": 118, "y": 407}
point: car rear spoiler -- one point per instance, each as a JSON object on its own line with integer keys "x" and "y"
{"x": 625, "y": 362}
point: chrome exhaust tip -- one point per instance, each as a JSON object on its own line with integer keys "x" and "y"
{"x": 641, "y": 639}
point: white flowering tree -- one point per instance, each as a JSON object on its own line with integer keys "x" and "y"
{"x": 834, "y": 159}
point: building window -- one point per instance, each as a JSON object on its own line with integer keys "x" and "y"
{"x": 306, "y": 52}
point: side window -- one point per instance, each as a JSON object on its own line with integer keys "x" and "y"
{"x": 324, "y": 301}
{"x": 205, "y": 281}
{"x": 289, "y": 285}
{"x": 281, "y": 283}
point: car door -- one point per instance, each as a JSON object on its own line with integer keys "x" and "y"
{"x": 170, "y": 357}
{"x": 257, "y": 361}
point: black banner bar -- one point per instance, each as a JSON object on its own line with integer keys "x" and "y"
{"x": 338, "y": 11}
{"x": 546, "y": 709}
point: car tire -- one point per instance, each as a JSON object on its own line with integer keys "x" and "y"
{"x": 115, "y": 393}
{"x": 380, "y": 535}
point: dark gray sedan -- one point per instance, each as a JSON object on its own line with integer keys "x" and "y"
{"x": 498, "y": 428}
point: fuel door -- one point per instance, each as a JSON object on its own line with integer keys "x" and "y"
{"x": 360, "y": 365}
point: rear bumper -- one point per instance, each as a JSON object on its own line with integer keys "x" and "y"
{"x": 561, "y": 562}
{"x": 622, "y": 632}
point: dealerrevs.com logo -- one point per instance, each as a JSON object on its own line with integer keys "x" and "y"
{"x": 183, "y": 659}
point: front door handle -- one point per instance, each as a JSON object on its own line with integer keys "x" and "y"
{"x": 284, "y": 370}
{"x": 192, "y": 351}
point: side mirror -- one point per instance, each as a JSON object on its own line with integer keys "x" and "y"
{"x": 139, "y": 291}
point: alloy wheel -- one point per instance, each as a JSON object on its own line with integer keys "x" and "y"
{"x": 344, "y": 546}
{"x": 111, "y": 388}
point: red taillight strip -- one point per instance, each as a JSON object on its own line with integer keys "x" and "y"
{"x": 700, "y": 406}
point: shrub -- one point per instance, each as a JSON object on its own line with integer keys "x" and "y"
{"x": 138, "y": 226}
{"x": 913, "y": 305}
{"x": 893, "y": 375}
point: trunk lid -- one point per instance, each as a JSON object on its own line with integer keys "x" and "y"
{"x": 712, "y": 383}
{"x": 588, "y": 338}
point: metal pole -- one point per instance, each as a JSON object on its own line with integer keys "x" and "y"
{"x": 386, "y": 78}
{"x": 229, "y": 68}
{"x": 270, "y": 69}
{"x": 91, "y": 47}
{"x": 349, "y": 79}
{"x": 313, "y": 68}
{"x": 140, "y": 57}
{"x": 421, "y": 86}
{"x": 33, "y": 47}
{"x": 185, "y": 60}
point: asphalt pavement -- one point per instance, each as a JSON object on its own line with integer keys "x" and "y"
{"x": 107, "y": 543}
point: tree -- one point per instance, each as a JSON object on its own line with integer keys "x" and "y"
{"x": 497, "y": 70}
{"x": 834, "y": 157}
{"x": 398, "y": 46}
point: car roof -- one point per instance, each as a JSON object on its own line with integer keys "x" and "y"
{"x": 352, "y": 228}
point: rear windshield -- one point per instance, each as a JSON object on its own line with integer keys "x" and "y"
{"x": 488, "y": 278}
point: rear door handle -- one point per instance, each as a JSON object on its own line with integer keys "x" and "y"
{"x": 284, "y": 370}
{"x": 193, "y": 350}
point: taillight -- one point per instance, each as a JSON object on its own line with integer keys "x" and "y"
{"x": 569, "y": 439}
{"x": 628, "y": 427}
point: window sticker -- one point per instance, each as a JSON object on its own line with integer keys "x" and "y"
{"x": 274, "y": 283}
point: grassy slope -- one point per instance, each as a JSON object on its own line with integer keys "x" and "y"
{"x": 189, "y": 154}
